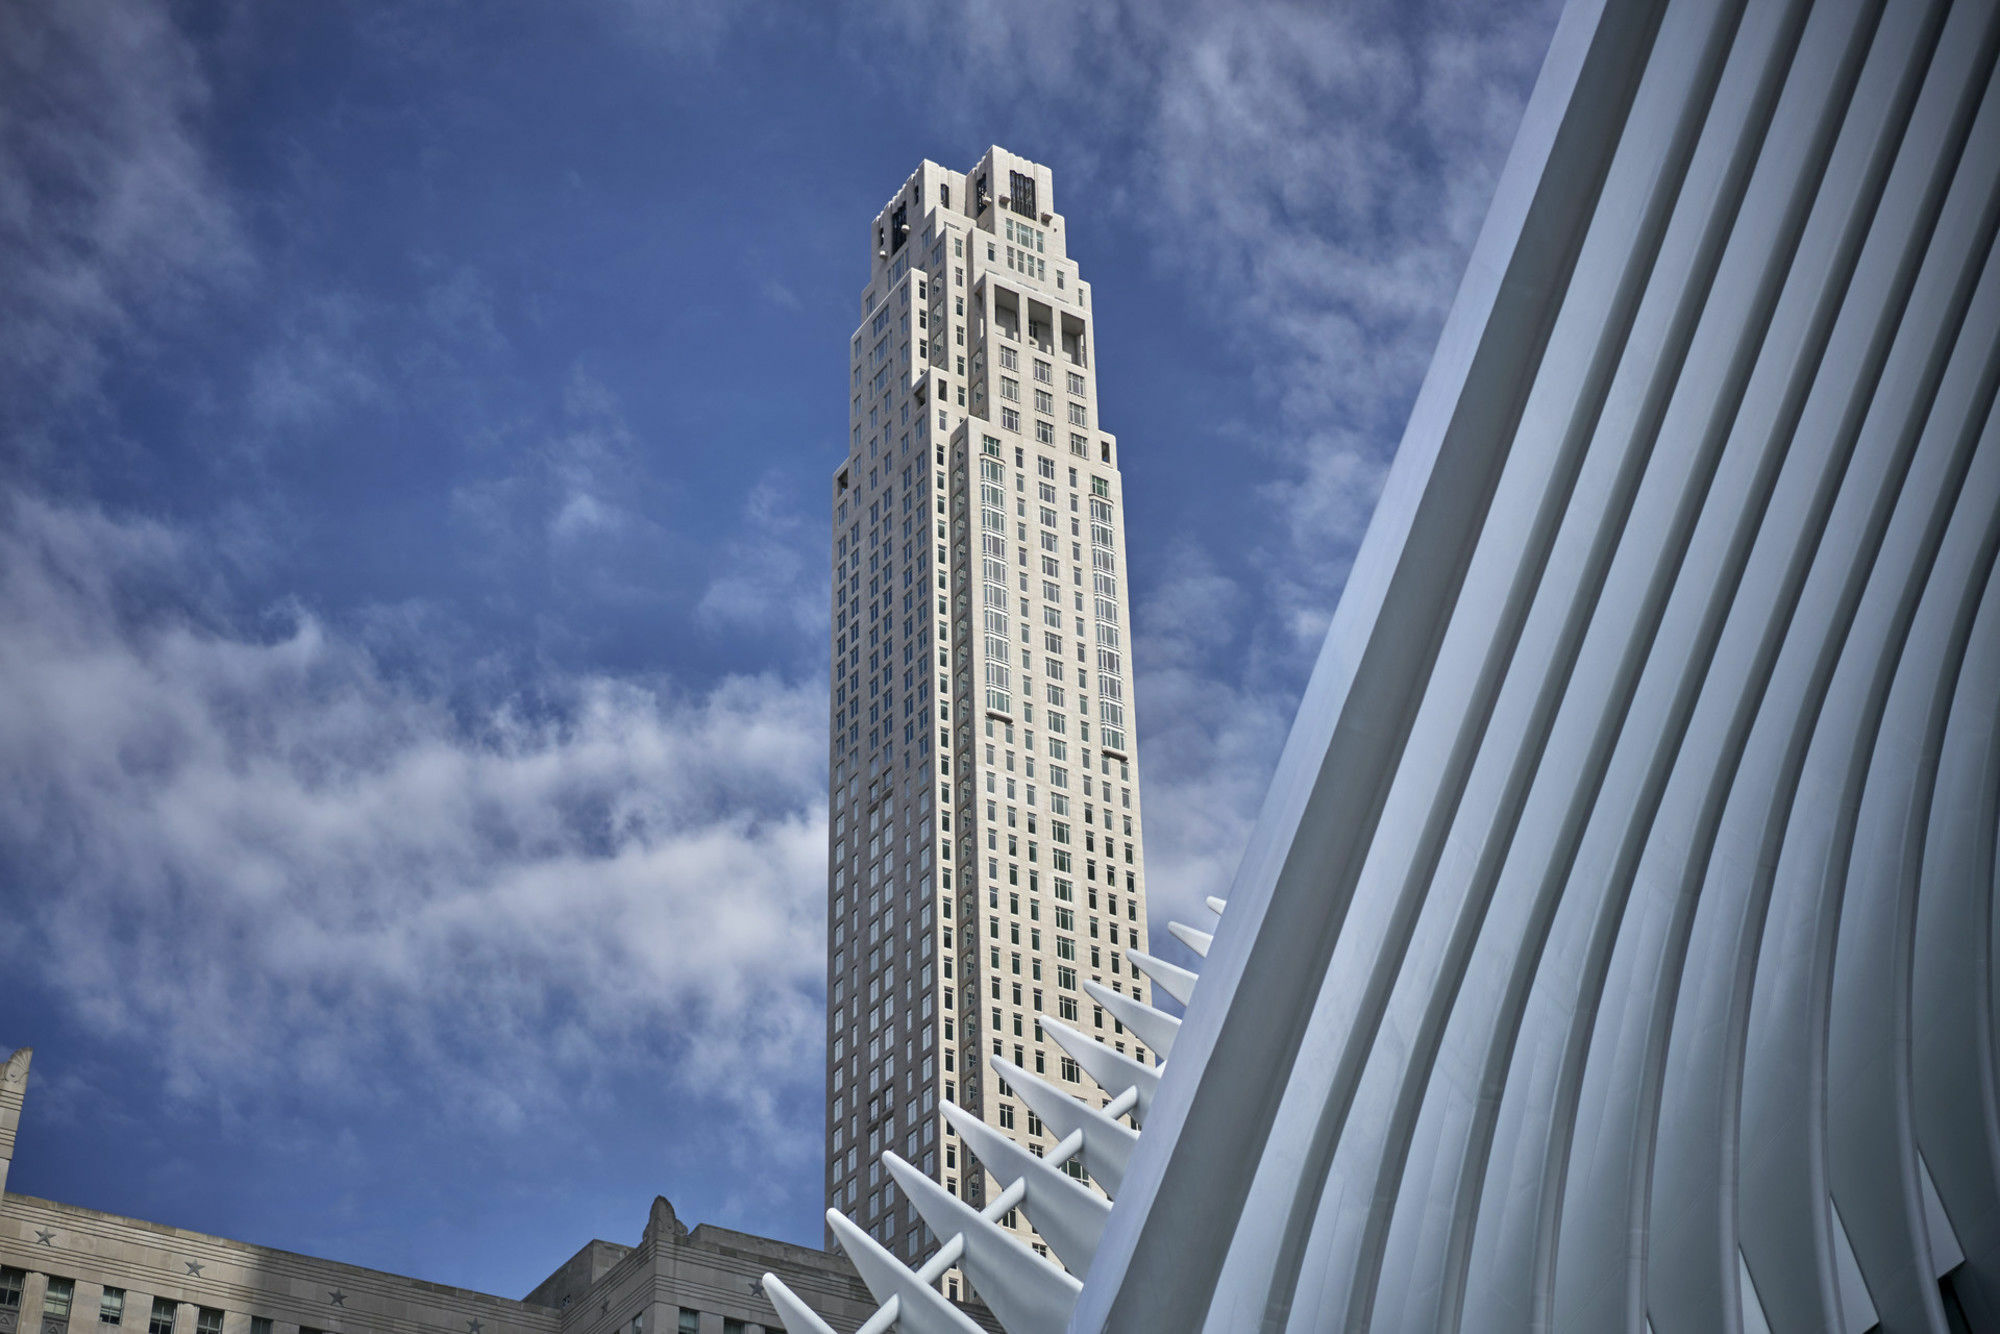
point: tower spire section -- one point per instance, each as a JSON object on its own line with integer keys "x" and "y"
{"x": 985, "y": 862}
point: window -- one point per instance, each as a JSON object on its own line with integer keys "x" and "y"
{"x": 1021, "y": 193}
{"x": 260, "y": 1324}
{"x": 207, "y": 1320}
{"x": 111, "y": 1307}
{"x": 690, "y": 1322}
{"x": 1043, "y": 373}
{"x": 1010, "y": 419}
{"x": 162, "y": 1321}
{"x": 56, "y": 1301}
{"x": 11, "y": 1281}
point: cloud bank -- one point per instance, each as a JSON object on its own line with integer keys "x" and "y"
{"x": 262, "y": 854}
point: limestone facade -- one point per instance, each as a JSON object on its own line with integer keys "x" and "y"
{"x": 70, "y": 1270}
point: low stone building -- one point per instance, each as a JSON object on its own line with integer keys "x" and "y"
{"x": 65, "y": 1268}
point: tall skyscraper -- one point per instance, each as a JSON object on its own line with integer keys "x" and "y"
{"x": 985, "y": 875}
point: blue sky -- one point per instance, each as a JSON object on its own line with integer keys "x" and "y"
{"x": 414, "y": 420}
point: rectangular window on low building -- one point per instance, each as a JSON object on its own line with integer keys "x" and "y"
{"x": 690, "y": 1322}
{"x": 11, "y": 1281}
{"x": 162, "y": 1321}
{"x": 207, "y": 1320}
{"x": 111, "y": 1307}
{"x": 56, "y": 1301}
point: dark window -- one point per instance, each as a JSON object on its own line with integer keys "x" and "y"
{"x": 10, "y": 1288}
{"x": 111, "y": 1307}
{"x": 944, "y": 201}
{"x": 979, "y": 194}
{"x": 1021, "y": 193}
{"x": 1954, "y": 1310}
{"x": 207, "y": 1320}
{"x": 260, "y": 1324}
{"x": 163, "y": 1317}
{"x": 690, "y": 1322}
{"x": 899, "y": 227}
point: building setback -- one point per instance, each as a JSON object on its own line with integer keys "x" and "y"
{"x": 985, "y": 874}
{"x": 66, "y": 1268}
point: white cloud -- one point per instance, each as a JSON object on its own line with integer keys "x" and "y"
{"x": 109, "y": 204}
{"x": 277, "y": 866}
{"x": 1205, "y": 740}
{"x": 572, "y": 501}
{"x": 772, "y": 573}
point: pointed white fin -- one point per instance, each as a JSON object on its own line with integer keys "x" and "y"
{"x": 1107, "y": 1146}
{"x": 924, "y": 1309}
{"x": 1155, "y": 1028}
{"x": 1216, "y": 905}
{"x": 1198, "y": 941}
{"x": 1114, "y": 1071}
{"x": 1175, "y": 981}
{"x": 1026, "y": 1293}
{"x": 1069, "y": 1215}
{"x": 1857, "y": 1308}
{"x": 1946, "y": 1253}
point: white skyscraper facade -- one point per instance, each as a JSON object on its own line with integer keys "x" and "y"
{"x": 985, "y": 871}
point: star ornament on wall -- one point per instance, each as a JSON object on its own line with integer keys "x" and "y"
{"x": 193, "y": 1267}
{"x": 45, "y": 1237}
{"x": 337, "y": 1297}
{"x": 473, "y": 1327}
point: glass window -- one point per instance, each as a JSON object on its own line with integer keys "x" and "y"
{"x": 10, "y": 1288}
{"x": 163, "y": 1317}
{"x": 690, "y": 1321}
{"x": 111, "y": 1307}
{"x": 56, "y": 1301}
{"x": 260, "y": 1324}
{"x": 207, "y": 1320}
